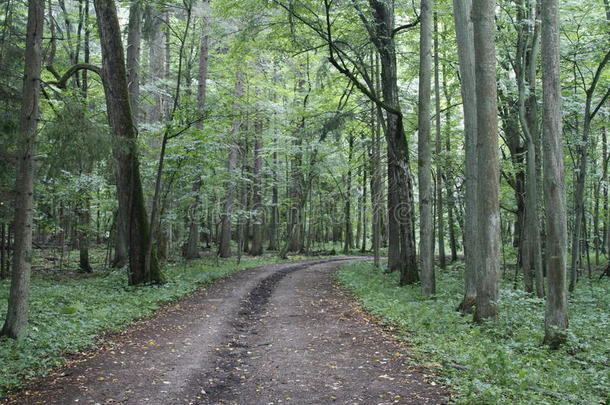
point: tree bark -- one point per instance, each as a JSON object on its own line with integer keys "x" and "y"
{"x": 275, "y": 213}
{"x": 192, "y": 245}
{"x": 129, "y": 185}
{"x": 465, "y": 44}
{"x": 347, "y": 208}
{"x": 424, "y": 158}
{"x": 556, "y": 314}
{"x": 257, "y": 191}
{"x": 134, "y": 39}
{"x": 488, "y": 208}
{"x": 439, "y": 165}
{"x": 16, "y": 321}
{"x": 224, "y": 249}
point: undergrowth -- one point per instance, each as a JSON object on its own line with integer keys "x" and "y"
{"x": 502, "y": 362}
{"x": 68, "y": 311}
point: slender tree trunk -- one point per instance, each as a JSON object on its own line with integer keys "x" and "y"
{"x": 376, "y": 198}
{"x": 275, "y": 213}
{"x": 446, "y": 175}
{"x": 465, "y": 44}
{"x": 84, "y": 220}
{"x": 363, "y": 211}
{"x": 488, "y": 220}
{"x": 257, "y": 191}
{"x": 192, "y": 245}
{"x": 224, "y": 250}
{"x": 439, "y": 166}
{"x": 556, "y": 314}
{"x": 16, "y": 321}
{"x": 347, "y": 210}
{"x": 424, "y": 158}
{"x": 129, "y": 186}
{"x": 4, "y": 252}
{"x": 531, "y": 260}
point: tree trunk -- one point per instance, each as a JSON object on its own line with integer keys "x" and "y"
{"x": 347, "y": 210}
{"x": 134, "y": 39}
{"x": 84, "y": 219}
{"x": 224, "y": 250}
{"x": 129, "y": 185}
{"x": 465, "y": 44}
{"x": 439, "y": 165}
{"x": 376, "y": 197}
{"x": 488, "y": 215}
{"x": 257, "y": 191}
{"x": 275, "y": 213}
{"x": 556, "y": 314}
{"x": 16, "y": 321}
{"x": 192, "y": 243}
{"x": 156, "y": 65}
{"x": 446, "y": 173}
{"x": 424, "y": 158}
{"x": 363, "y": 211}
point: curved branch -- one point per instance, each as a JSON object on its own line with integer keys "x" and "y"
{"x": 405, "y": 27}
{"x": 62, "y": 80}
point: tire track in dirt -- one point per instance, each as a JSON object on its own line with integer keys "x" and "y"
{"x": 232, "y": 356}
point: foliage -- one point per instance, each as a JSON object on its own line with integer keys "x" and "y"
{"x": 68, "y": 313}
{"x": 503, "y": 362}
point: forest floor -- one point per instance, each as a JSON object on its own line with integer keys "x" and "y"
{"x": 283, "y": 333}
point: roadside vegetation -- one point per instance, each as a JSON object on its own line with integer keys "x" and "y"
{"x": 499, "y": 362}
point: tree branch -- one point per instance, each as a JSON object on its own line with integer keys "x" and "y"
{"x": 62, "y": 80}
{"x": 405, "y": 27}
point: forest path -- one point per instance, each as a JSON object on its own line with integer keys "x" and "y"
{"x": 276, "y": 334}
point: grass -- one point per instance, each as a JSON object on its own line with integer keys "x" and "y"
{"x": 502, "y": 362}
{"x": 69, "y": 311}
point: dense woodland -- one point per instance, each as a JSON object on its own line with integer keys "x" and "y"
{"x": 142, "y": 133}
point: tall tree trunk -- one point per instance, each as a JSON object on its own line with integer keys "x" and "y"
{"x": 192, "y": 245}
{"x": 257, "y": 191}
{"x": 424, "y": 158}
{"x": 439, "y": 167}
{"x": 363, "y": 211}
{"x": 446, "y": 173}
{"x": 525, "y": 71}
{"x": 583, "y": 156}
{"x": 121, "y": 242}
{"x": 402, "y": 254}
{"x": 275, "y": 213}
{"x": 556, "y": 314}
{"x": 376, "y": 193}
{"x": 488, "y": 215}
{"x": 224, "y": 250}
{"x": 465, "y": 44}
{"x": 129, "y": 186}
{"x": 347, "y": 210}
{"x": 16, "y": 321}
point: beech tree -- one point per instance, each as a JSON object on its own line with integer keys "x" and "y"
{"x": 16, "y": 322}
{"x": 488, "y": 220}
{"x": 556, "y": 315}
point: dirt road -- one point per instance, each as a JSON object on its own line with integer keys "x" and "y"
{"x": 282, "y": 334}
